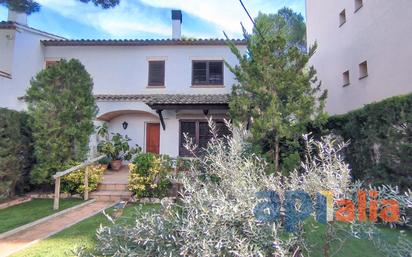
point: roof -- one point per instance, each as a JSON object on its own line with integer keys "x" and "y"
{"x": 141, "y": 42}
{"x": 169, "y": 99}
{"x": 15, "y": 25}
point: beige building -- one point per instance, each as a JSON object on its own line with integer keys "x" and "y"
{"x": 364, "y": 49}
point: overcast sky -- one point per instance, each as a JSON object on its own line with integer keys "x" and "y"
{"x": 150, "y": 18}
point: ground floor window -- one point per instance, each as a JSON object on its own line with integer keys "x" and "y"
{"x": 199, "y": 131}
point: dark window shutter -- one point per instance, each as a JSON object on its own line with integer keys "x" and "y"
{"x": 156, "y": 73}
{"x": 199, "y": 73}
{"x": 188, "y": 128}
{"x": 216, "y": 73}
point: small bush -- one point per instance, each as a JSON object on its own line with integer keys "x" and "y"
{"x": 74, "y": 182}
{"x": 148, "y": 175}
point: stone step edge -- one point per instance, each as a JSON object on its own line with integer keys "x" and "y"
{"x": 110, "y": 192}
{"x": 36, "y": 222}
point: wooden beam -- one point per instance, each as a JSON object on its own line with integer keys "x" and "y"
{"x": 86, "y": 183}
{"x": 56, "y": 193}
{"x": 189, "y": 106}
{"x": 162, "y": 121}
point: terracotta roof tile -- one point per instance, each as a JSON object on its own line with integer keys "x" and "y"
{"x": 168, "y": 98}
{"x": 139, "y": 42}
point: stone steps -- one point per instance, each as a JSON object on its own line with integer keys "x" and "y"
{"x": 110, "y": 195}
{"x": 112, "y": 187}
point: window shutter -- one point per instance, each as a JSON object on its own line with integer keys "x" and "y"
{"x": 156, "y": 73}
{"x": 204, "y": 135}
{"x": 188, "y": 128}
{"x": 207, "y": 73}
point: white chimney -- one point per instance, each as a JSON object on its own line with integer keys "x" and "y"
{"x": 18, "y": 17}
{"x": 176, "y": 24}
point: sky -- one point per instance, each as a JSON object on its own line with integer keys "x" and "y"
{"x": 147, "y": 19}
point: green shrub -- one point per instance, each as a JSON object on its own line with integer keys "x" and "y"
{"x": 74, "y": 182}
{"x": 148, "y": 175}
{"x": 380, "y": 136}
{"x": 62, "y": 109}
{"x": 15, "y": 152}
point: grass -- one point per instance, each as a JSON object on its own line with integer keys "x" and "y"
{"x": 18, "y": 215}
{"x": 352, "y": 247}
{"x": 82, "y": 234}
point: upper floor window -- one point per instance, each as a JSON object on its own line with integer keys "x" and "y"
{"x": 345, "y": 78}
{"x": 207, "y": 73}
{"x": 358, "y": 4}
{"x": 342, "y": 17}
{"x": 363, "y": 70}
{"x": 50, "y": 63}
{"x": 156, "y": 73}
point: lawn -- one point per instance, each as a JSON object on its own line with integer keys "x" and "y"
{"x": 82, "y": 234}
{"x": 15, "y": 216}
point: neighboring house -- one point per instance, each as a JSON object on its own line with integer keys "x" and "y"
{"x": 151, "y": 90}
{"x": 364, "y": 49}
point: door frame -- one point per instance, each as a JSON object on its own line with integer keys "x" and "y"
{"x": 145, "y": 134}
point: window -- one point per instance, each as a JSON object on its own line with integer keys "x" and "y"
{"x": 156, "y": 73}
{"x": 342, "y": 17}
{"x": 358, "y": 4}
{"x": 207, "y": 73}
{"x": 50, "y": 63}
{"x": 346, "y": 80}
{"x": 363, "y": 70}
{"x": 200, "y": 134}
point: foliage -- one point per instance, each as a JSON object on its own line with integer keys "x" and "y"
{"x": 381, "y": 141}
{"x": 15, "y": 152}
{"x": 287, "y": 23}
{"x": 215, "y": 218}
{"x": 148, "y": 175}
{"x": 74, "y": 182}
{"x": 30, "y": 6}
{"x": 277, "y": 94}
{"x": 62, "y": 109}
{"x": 116, "y": 148}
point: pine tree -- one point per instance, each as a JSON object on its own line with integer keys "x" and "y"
{"x": 62, "y": 110}
{"x": 277, "y": 93}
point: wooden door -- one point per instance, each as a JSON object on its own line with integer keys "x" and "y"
{"x": 152, "y": 137}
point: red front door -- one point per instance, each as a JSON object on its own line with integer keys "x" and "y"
{"x": 152, "y": 137}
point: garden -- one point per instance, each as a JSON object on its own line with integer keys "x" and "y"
{"x": 246, "y": 194}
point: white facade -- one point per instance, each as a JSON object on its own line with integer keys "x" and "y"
{"x": 376, "y": 31}
{"x": 117, "y": 69}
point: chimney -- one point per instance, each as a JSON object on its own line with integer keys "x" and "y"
{"x": 18, "y": 17}
{"x": 176, "y": 24}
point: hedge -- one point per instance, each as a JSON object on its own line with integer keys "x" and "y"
{"x": 380, "y": 135}
{"x": 15, "y": 152}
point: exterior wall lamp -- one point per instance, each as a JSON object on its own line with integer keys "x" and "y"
{"x": 125, "y": 124}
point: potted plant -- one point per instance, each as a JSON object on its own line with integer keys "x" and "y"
{"x": 116, "y": 149}
{"x": 105, "y": 162}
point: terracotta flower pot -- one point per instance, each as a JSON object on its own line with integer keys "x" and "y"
{"x": 116, "y": 165}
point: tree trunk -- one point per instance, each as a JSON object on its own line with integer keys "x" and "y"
{"x": 276, "y": 153}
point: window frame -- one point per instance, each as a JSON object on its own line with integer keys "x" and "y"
{"x": 197, "y": 131}
{"x": 358, "y": 5}
{"x": 152, "y": 84}
{"x": 344, "y": 74}
{"x": 363, "y": 70}
{"x": 207, "y": 83}
{"x": 342, "y": 14}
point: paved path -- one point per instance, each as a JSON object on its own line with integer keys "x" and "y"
{"x": 26, "y": 237}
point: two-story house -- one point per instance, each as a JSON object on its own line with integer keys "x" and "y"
{"x": 154, "y": 91}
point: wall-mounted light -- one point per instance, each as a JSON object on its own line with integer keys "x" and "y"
{"x": 125, "y": 124}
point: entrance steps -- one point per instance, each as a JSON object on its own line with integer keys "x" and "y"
{"x": 113, "y": 187}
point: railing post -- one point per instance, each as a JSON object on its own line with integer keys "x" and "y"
{"x": 56, "y": 193}
{"x": 86, "y": 184}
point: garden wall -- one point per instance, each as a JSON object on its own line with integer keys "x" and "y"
{"x": 380, "y": 135}
{"x": 15, "y": 152}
